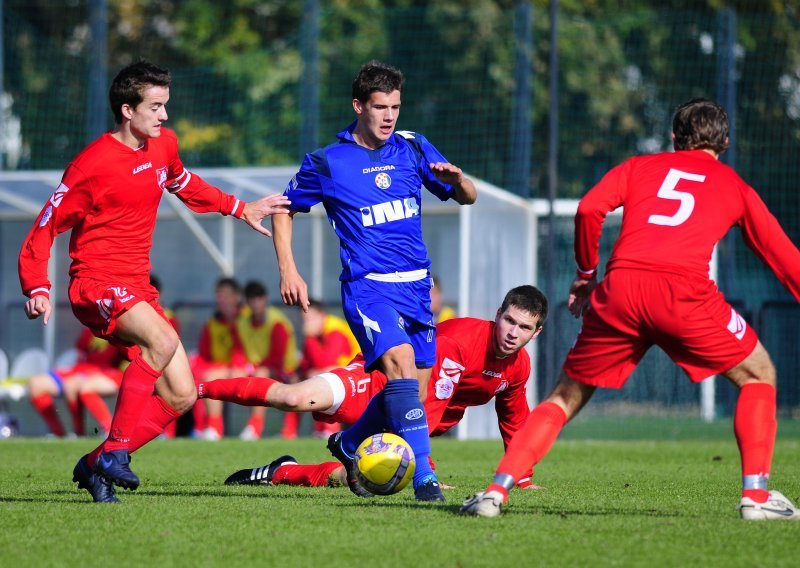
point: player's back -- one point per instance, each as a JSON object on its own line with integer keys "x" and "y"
{"x": 676, "y": 207}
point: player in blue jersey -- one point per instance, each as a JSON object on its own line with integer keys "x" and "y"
{"x": 370, "y": 183}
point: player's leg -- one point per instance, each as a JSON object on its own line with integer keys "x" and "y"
{"x": 755, "y": 425}
{"x": 541, "y": 429}
{"x": 286, "y": 471}
{"x": 41, "y": 390}
{"x": 140, "y": 325}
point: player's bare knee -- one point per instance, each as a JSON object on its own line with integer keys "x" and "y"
{"x": 293, "y": 399}
{"x": 183, "y": 401}
{"x": 39, "y": 384}
{"x": 756, "y": 368}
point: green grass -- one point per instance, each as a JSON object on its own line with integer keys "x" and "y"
{"x": 606, "y": 503}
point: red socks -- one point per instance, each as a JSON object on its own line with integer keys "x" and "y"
{"x": 76, "y": 413}
{"x": 306, "y": 475}
{"x": 246, "y": 391}
{"x": 46, "y": 408}
{"x": 256, "y": 422}
{"x": 217, "y": 423}
{"x": 531, "y": 443}
{"x": 97, "y": 407}
{"x": 134, "y": 393}
{"x": 291, "y": 423}
{"x": 156, "y": 416}
{"x": 755, "y": 426}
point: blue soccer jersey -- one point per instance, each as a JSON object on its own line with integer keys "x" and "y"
{"x": 373, "y": 199}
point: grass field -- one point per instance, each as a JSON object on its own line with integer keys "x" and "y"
{"x": 605, "y": 503}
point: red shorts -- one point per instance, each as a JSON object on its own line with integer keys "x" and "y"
{"x": 353, "y": 388}
{"x": 98, "y": 304}
{"x": 632, "y": 310}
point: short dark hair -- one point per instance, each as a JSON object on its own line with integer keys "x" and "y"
{"x": 228, "y": 282}
{"x": 700, "y": 124}
{"x": 129, "y": 85}
{"x": 255, "y": 289}
{"x": 528, "y": 298}
{"x": 375, "y": 76}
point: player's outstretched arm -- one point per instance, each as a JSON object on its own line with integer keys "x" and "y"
{"x": 294, "y": 291}
{"x": 466, "y": 193}
{"x": 39, "y": 306}
{"x": 579, "y": 292}
{"x": 256, "y": 211}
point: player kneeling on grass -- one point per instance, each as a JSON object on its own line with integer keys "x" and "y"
{"x": 476, "y": 360}
{"x": 656, "y": 291}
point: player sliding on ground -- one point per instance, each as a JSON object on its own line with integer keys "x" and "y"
{"x": 657, "y": 291}
{"x": 476, "y": 360}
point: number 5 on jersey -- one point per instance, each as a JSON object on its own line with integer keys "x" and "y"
{"x": 668, "y": 191}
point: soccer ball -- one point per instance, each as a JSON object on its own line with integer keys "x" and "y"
{"x": 384, "y": 463}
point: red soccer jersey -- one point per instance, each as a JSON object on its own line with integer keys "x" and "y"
{"x": 467, "y": 373}
{"x": 109, "y": 197}
{"x": 677, "y": 206}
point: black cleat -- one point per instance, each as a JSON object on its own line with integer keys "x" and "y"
{"x": 259, "y": 475}
{"x": 101, "y": 490}
{"x": 114, "y": 467}
{"x": 430, "y": 490}
{"x": 335, "y": 447}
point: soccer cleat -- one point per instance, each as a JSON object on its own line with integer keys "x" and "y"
{"x": 335, "y": 447}
{"x": 114, "y": 467}
{"x": 101, "y": 490}
{"x": 429, "y": 490}
{"x": 776, "y": 508}
{"x": 259, "y": 475}
{"x": 483, "y": 505}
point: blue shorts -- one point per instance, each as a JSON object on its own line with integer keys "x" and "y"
{"x": 383, "y": 315}
{"x": 58, "y": 379}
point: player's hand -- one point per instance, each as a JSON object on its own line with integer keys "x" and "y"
{"x": 447, "y": 173}
{"x": 256, "y": 211}
{"x": 579, "y": 293}
{"x": 294, "y": 291}
{"x": 39, "y": 306}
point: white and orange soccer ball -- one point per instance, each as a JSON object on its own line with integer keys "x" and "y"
{"x": 385, "y": 463}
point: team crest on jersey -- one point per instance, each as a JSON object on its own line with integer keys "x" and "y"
{"x": 383, "y": 181}
{"x": 58, "y": 195}
{"x": 161, "y": 177}
{"x": 444, "y": 389}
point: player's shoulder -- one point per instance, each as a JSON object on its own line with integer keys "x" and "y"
{"x": 97, "y": 153}
{"x": 168, "y": 139}
{"x": 414, "y": 140}
{"x": 463, "y": 327}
